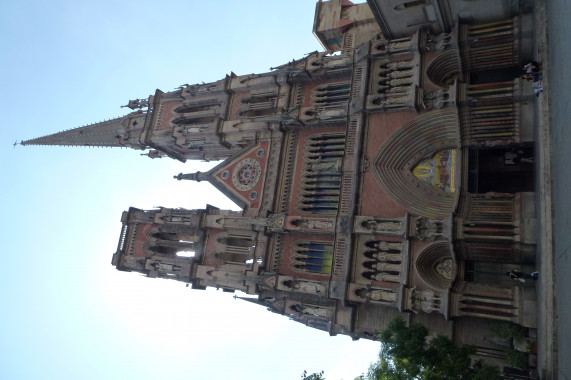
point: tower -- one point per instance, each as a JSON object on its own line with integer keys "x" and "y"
{"x": 368, "y": 179}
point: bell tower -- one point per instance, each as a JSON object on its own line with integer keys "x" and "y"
{"x": 159, "y": 243}
{"x": 208, "y": 121}
{"x": 209, "y": 247}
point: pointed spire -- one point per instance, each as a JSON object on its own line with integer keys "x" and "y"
{"x": 119, "y": 132}
{"x": 254, "y": 300}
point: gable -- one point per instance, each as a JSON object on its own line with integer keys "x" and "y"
{"x": 242, "y": 178}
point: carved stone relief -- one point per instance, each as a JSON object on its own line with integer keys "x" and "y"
{"x": 374, "y": 295}
{"x": 302, "y": 286}
{"x": 425, "y": 300}
{"x": 428, "y": 229}
{"x": 383, "y": 226}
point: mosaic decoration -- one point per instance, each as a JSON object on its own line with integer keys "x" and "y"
{"x": 444, "y": 268}
{"x": 246, "y": 174}
{"x": 438, "y": 171}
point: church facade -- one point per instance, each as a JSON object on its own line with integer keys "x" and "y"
{"x": 390, "y": 175}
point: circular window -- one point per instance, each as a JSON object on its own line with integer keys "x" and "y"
{"x": 246, "y": 174}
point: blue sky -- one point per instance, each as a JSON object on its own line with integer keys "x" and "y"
{"x": 66, "y": 312}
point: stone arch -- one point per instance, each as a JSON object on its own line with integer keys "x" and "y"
{"x": 188, "y": 120}
{"x": 445, "y": 68}
{"x": 152, "y": 249}
{"x": 231, "y": 257}
{"x": 404, "y": 149}
{"x": 200, "y": 106}
{"x": 436, "y": 265}
{"x": 312, "y": 256}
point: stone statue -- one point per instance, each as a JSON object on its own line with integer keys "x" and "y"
{"x": 330, "y": 113}
{"x": 137, "y": 104}
{"x": 384, "y": 245}
{"x": 383, "y": 256}
{"x": 386, "y": 277}
{"x": 428, "y": 228}
{"x": 310, "y": 310}
{"x": 402, "y": 65}
{"x": 399, "y": 46}
{"x": 395, "y": 47}
{"x": 381, "y": 276}
{"x": 395, "y": 74}
{"x": 331, "y": 62}
{"x": 436, "y": 99}
{"x": 161, "y": 267}
{"x": 381, "y": 226}
{"x": 199, "y": 88}
{"x": 444, "y": 268}
{"x": 313, "y": 224}
{"x": 377, "y": 295}
{"x": 438, "y": 42}
{"x": 396, "y": 82}
{"x": 311, "y": 287}
{"x": 425, "y": 300}
{"x": 383, "y": 266}
{"x": 176, "y": 219}
{"x": 325, "y": 166}
{"x": 429, "y": 301}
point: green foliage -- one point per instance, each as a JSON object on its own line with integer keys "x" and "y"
{"x": 313, "y": 376}
{"x": 508, "y": 330}
{"x": 486, "y": 372}
{"x": 518, "y": 359}
{"x": 409, "y": 353}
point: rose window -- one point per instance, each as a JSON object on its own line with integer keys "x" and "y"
{"x": 246, "y": 174}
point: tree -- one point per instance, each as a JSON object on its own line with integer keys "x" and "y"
{"x": 313, "y": 376}
{"x": 409, "y": 353}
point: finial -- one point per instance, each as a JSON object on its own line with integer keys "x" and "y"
{"x": 137, "y": 104}
{"x": 198, "y": 176}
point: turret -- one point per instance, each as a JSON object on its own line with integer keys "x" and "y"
{"x": 160, "y": 243}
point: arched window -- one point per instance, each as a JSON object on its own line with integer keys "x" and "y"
{"x": 321, "y": 180}
{"x": 234, "y": 248}
{"x": 236, "y": 241}
{"x": 233, "y": 257}
{"x": 331, "y": 95}
{"x": 166, "y": 236}
{"x": 163, "y": 250}
{"x": 312, "y": 257}
{"x": 194, "y": 120}
{"x": 257, "y": 105}
{"x": 185, "y": 253}
{"x": 198, "y": 106}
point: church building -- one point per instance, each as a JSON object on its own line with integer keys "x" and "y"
{"x": 391, "y": 174}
